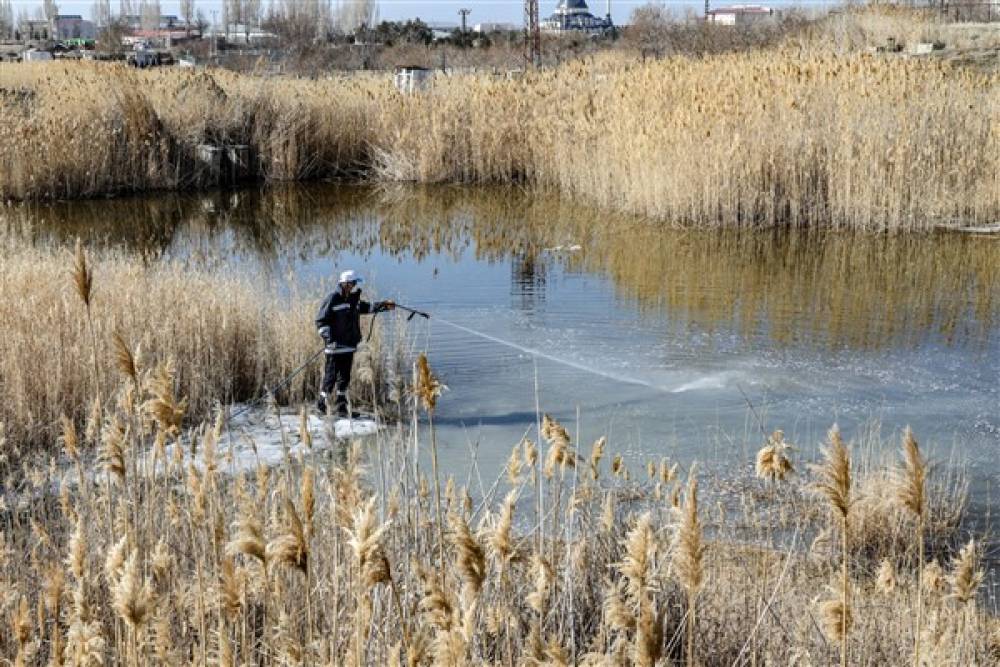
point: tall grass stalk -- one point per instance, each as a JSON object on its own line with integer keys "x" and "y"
{"x": 835, "y": 485}
{"x": 911, "y": 493}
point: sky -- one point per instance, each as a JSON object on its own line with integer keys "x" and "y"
{"x": 442, "y": 11}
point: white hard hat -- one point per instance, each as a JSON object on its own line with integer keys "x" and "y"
{"x": 349, "y": 276}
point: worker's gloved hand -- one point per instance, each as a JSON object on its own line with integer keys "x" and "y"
{"x": 330, "y": 348}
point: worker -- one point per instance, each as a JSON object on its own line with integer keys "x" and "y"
{"x": 339, "y": 324}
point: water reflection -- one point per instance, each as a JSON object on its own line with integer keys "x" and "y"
{"x": 838, "y": 290}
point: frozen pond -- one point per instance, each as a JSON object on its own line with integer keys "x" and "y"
{"x": 648, "y": 334}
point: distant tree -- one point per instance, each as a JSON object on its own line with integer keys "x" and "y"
{"x": 398, "y": 32}
{"x": 649, "y": 28}
{"x": 149, "y": 14}
{"x": 251, "y": 10}
{"x": 100, "y": 12}
{"x": 50, "y": 9}
{"x": 201, "y": 23}
{"x": 109, "y": 38}
{"x": 187, "y": 13}
{"x": 296, "y": 22}
{"x": 7, "y": 24}
{"x": 354, "y": 14}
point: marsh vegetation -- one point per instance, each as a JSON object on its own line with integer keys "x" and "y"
{"x": 803, "y": 134}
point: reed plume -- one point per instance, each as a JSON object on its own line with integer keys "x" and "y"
{"x": 836, "y": 618}
{"x": 500, "y": 539}
{"x": 230, "y": 585}
{"x": 640, "y": 552}
{"x": 163, "y": 406}
{"x": 689, "y": 552}
{"x": 83, "y": 277}
{"x": 910, "y": 483}
{"x": 249, "y": 539}
{"x": 514, "y": 465}
{"x": 933, "y": 580}
{"x": 70, "y": 439}
{"x": 560, "y": 453}
{"x": 965, "y": 577}
{"x": 76, "y": 559}
{"x": 596, "y": 454}
{"x": 125, "y": 358}
{"x": 471, "y": 559}
{"x": 133, "y": 598}
{"x": 835, "y": 485}
{"x": 773, "y": 462}
{"x": 885, "y": 579}
{"x": 428, "y": 387}
{"x": 290, "y": 548}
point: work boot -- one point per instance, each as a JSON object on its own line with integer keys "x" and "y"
{"x": 342, "y": 412}
{"x": 321, "y": 405}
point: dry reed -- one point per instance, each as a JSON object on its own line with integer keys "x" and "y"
{"x": 873, "y": 143}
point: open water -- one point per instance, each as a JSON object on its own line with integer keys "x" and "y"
{"x": 646, "y": 333}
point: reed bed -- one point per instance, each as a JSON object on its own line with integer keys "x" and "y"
{"x": 147, "y": 547}
{"x": 235, "y": 334}
{"x": 801, "y": 134}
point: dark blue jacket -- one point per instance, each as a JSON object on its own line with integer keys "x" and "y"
{"x": 339, "y": 318}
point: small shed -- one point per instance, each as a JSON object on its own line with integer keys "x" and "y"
{"x": 411, "y": 78}
{"x": 35, "y": 55}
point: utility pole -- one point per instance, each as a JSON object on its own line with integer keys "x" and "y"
{"x": 532, "y": 33}
{"x": 464, "y": 13}
{"x": 215, "y": 32}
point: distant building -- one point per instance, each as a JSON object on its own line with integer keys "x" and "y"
{"x": 740, "y": 15}
{"x": 73, "y": 26}
{"x": 34, "y": 30}
{"x": 169, "y": 30}
{"x": 36, "y": 55}
{"x": 500, "y": 27}
{"x": 238, "y": 33}
{"x": 409, "y": 79}
{"x": 573, "y": 16}
{"x": 163, "y": 22}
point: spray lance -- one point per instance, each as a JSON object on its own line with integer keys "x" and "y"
{"x": 380, "y": 308}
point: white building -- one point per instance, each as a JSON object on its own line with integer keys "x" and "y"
{"x": 740, "y": 15}
{"x": 410, "y": 79}
{"x": 574, "y": 16}
{"x": 500, "y": 27}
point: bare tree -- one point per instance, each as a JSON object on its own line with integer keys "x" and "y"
{"x": 251, "y": 16}
{"x": 100, "y": 12}
{"x": 649, "y": 27}
{"x": 295, "y": 21}
{"x": 149, "y": 13}
{"x": 356, "y": 13}
{"x": 6, "y": 20}
{"x": 188, "y": 14}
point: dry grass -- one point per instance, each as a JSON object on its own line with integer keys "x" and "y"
{"x": 170, "y": 560}
{"x": 63, "y": 355}
{"x": 787, "y": 136}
